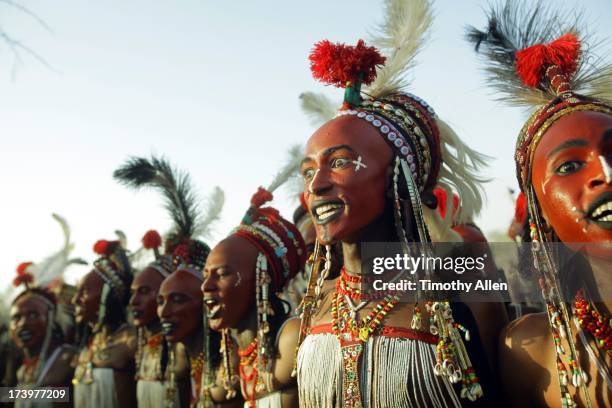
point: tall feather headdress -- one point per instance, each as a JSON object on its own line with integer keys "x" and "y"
{"x": 51, "y": 269}
{"x": 514, "y": 27}
{"x": 180, "y": 201}
{"x": 400, "y": 37}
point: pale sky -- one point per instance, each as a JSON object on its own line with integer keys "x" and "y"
{"x": 212, "y": 85}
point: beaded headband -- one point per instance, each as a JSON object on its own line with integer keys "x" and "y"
{"x": 113, "y": 266}
{"x": 537, "y": 125}
{"x": 190, "y": 256}
{"x": 408, "y": 125}
{"x": 163, "y": 264}
{"x": 105, "y": 269}
{"x": 276, "y": 238}
{"x": 25, "y": 278}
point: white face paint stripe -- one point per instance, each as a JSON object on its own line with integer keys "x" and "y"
{"x": 359, "y": 164}
{"x": 606, "y": 169}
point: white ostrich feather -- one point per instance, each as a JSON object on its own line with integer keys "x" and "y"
{"x": 290, "y": 169}
{"x": 399, "y": 38}
{"x": 212, "y": 212}
{"x": 122, "y": 238}
{"x": 53, "y": 266}
{"x": 318, "y": 107}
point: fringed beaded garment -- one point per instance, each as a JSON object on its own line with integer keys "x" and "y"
{"x": 100, "y": 393}
{"x": 396, "y": 370}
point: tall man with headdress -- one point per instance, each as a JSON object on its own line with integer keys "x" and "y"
{"x": 537, "y": 58}
{"x": 178, "y": 300}
{"x": 36, "y": 333}
{"x": 39, "y": 327}
{"x": 366, "y": 173}
{"x": 104, "y": 373}
{"x": 245, "y": 274}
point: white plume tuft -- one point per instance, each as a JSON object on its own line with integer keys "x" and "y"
{"x": 122, "y": 238}
{"x": 52, "y": 267}
{"x": 318, "y": 107}
{"x": 212, "y": 212}
{"x": 290, "y": 169}
{"x": 399, "y": 38}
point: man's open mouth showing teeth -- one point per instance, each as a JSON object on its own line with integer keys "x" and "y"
{"x": 168, "y": 327}
{"x": 326, "y": 212}
{"x": 603, "y": 212}
{"x": 600, "y": 211}
{"x": 214, "y": 308}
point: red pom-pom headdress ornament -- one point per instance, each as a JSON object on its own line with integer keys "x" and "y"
{"x": 163, "y": 263}
{"x": 23, "y": 276}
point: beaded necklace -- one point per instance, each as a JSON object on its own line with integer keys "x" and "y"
{"x": 352, "y": 335}
{"x": 30, "y": 366}
{"x": 151, "y": 348}
{"x": 355, "y": 293}
{"x": 248, "y": 358}
{"x": 197, "y": 368}
{"x": 598, "y": 325}
{"x": 96, "y": 348}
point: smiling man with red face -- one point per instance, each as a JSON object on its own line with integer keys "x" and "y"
{"x": 572, "y": 180}
{"x": 333, "y": 185}
{"x": 563, "y": 158}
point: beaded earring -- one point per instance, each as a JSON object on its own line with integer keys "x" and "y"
{"x": 556, "y": 309}
{"x": 309, "y": 304}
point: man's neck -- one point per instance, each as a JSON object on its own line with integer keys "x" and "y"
{"x": 378, "y": 231}
{"x": 152, "y": 328}
{"x": 246, "y": 331}
{"x": 194, "y": 344}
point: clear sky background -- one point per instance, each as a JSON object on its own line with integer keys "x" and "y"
{"x": 212, "y": 85}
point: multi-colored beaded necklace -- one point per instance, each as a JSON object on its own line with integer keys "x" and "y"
{"x": 352, "y": 335}
{"x": 197, "y": 368}
{"x": 248, "y": 358}
{"x": 152, "y": 349}
{"x": 598, "y": 325}
{"x": 355, "y": 293}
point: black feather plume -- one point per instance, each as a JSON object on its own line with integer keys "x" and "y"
{"x": 512, "y": 26}
{"x": 175, "y": 186}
